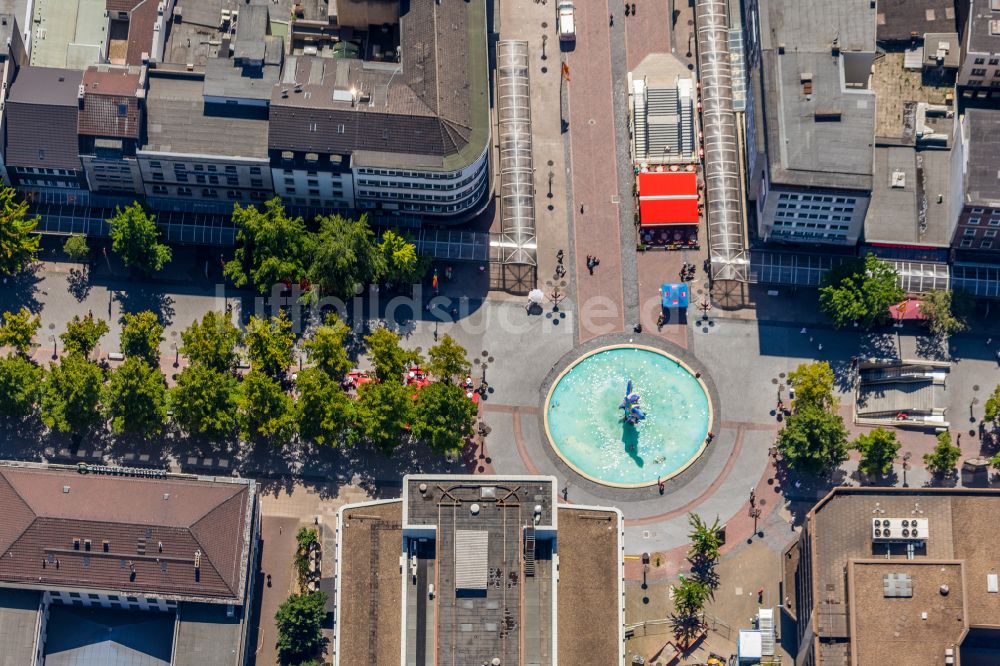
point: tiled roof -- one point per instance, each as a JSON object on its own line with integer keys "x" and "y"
{"x": 425, "y": 105}
{"x": 121, "y": 5}
{"x": 161, "y": 527}
{"x": 140, "y": 30}
{"x": 110, "y": 107}
{"x": 42, "y": 118}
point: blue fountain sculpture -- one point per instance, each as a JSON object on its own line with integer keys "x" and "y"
{"x": 630, "y": 405}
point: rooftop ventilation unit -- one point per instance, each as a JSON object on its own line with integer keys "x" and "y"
{"x": 899, "y": 529}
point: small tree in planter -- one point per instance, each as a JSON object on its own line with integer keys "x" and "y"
{"x": 308, "y": 541}
{"x": 944, "y": 457}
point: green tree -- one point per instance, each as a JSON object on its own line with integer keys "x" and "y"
{"x": 271, "y": 247}
{"x": 689, "y": 599}
{"x": 135, "y": 398}
{"x": 269, "y": 344}
{"x": 71, "y": 395}
{"x": 18, "y": 240}
{"x": 382, "y": 414}
{"x": 878, "y": 450}
{"x": 945, "y": 311}
{"x": 328, "y": 348}
{"x": 211, "y": 342}
{"x": 204, "y": 402}
{"x": 142, "y": 334}
{"x": 706, "y": 540}
{"x": 813, "y": 441}
{"x": 443, "y": 417}
{"x": 400, "y": 261}
{"x": 447, "y": 360}
{"x": 860, "y": 291}
{"x": 18, "y": 329}
{"x": 307, "y": 540}
{"x": 346, "y": 256}
{"x": 136, "y": 239}
{"x": 388, "y": 357}
{"x": 323, "y": 411}
{"x": 993, "y": 408}
{"x": 76, "y": 247}
{"x": 20, "y": 387}
{"x": 813, "y": 384}
{"x": 298, "y": 621}
{"x": 265, "y": 411}
{"x": 944, "y": 457}
{"x": 83, "y": 334}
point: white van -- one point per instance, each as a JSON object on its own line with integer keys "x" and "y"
{"x": 567, "y": 21}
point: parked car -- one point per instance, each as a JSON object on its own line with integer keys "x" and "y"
{"x": 567, "y": 20}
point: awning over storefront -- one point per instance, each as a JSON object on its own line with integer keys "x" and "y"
{"x": 668, "y": 198}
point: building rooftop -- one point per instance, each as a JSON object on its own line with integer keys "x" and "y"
{"x": 984, "y": 27}
{"x": 95, "y": 636}
{"x": 42, "y": 118}
{"x": 111, "y": 102}
{"x": 207, "y": 635}
{"x": 955, "y": 552}
{"x": 68, "y": 33}
{"x": 819, "y": 131}
{"x": 178, "y": 120}
{"x": 18, "y": 619}
{"x": 493, "y": 597}
{"x": 198, "y": 36}
{"x": 982, "y": 183}
{"x": 174, "y": 537}
{"x": 588, "y": 545}
{"x": 434, "y": 104}
{"x": 942, "y": 49}
{"x": 368, "y": 613}
{"x": 903, "y": 20}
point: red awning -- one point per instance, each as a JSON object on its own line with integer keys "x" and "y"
{"x": 906, "y": 310}
{"x": 668, "y": 198}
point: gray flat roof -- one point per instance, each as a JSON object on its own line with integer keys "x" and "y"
{"x": 983, "y": 38}
{"x": 177, "y": 121}
{"x": 812, "y": 25}
{"x": 474, "y": 626}
{"x": 902, "y": 20}
{"x": 819, "y": 133}
{"x": 18, "y": 620}
{"x": 80, "y": 636}
{"x": 895, "y": 212}
{"x": 982, "y": 183}
{"x": 205, "y": 635}
{"x": 823, "y": 138}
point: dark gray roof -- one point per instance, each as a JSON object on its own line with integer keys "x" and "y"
{"x": 820, "y": 134}
{"x": 8, "y": 26}
{"x": 78, "y": 636}
{"x": 952, "y": 51}
{"x": 18, "y": 617}
{"x": 433, "y": 104}
{"x": 982, "y": 184}
{"x": 206, "y": 635}
{"x": 177, "y": 121}
{"x": 902, "y": 20}
{"x": 224, "y": 78}
{"x": 42, "y": 118}
{"x": 895, "y": 212}
{"x": 984, "y": 27}
{"x": 250, "y": 31}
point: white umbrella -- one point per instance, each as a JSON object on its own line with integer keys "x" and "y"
{"x": 536, "y": 296}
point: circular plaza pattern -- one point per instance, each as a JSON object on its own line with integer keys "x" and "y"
{"x": 585, "y": 420}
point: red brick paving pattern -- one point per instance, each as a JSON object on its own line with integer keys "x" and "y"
{"x": 646, "y": 32}
{"x": 595, "y": 181}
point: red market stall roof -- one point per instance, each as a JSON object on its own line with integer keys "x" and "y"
{"x": 668, "y": 198}
{"x": 908, "y": 310}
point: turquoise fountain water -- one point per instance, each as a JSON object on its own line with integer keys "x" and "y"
{"x": 587, "y": 428}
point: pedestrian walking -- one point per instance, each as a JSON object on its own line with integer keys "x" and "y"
{"x": 611, "y": 20}
{"x": 626, "y": 9}
{"x": 581, "y": 209}
{"x": 633, "y": 9}
{"x": 590, "y": 263}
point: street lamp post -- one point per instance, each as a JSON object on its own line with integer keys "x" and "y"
{"x": 545, "y": 38}
{"x": 177, "y": 355}
{"x": 906, "y": 466}
{"x": 55, "y": 354}
{"x": 972, "y": 404}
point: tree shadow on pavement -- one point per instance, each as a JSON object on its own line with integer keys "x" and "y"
{"x": 933, "y": 347}
{"x": 22, "y": 439}
{"x": 79, "y": 284}
{"x": 879, "y": 345}
{"x": 140, "y": 298}
{"x": 801, "y": 491}
{"x": 21, "y": 291}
